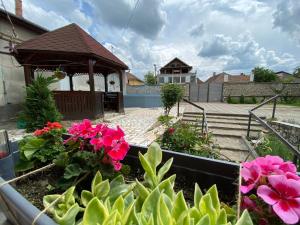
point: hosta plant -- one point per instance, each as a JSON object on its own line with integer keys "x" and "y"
{"x": 41, "y": 148}
{"x": 271, "y": 189}
{"x": 152, "y": 201}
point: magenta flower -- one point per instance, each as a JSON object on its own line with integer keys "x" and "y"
{"x": 251, "y": 175}
{"x": 283, "y": 196}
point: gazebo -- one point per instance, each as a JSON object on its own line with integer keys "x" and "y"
{"x": 74, "y": 52}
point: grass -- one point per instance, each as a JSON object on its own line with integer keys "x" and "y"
{"x": 273, "y": 146}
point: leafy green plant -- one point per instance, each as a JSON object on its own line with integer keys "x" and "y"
{"x": 242, "y": 99}
{"x": 150, "y": 78}
{"x": 229, "y": 100}
{"x": 39, "y": 107}
{"x": 165, "y": 119}
{"x": 170, "y": 95}
{"x": 41, "y": 148}
{"x": 254, "y": 101}
{"x": 151, "y": 202}
{"x": 262, "y": 74}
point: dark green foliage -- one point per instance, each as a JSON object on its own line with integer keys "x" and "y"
{"x": 254, "y": 101}
{"x": 271, "y": 145}
{"x": 165, "y": 119}
{"x": 182, "y": 137}
{"x": 39, "y": 107}
{"x": 262, "y": 74}
{"x": 242, "y": 99}
{"x": 170, "y": 95}
{"x": 38, "y": 151}
{"x": 297, "y": 72}
{"x": 229, "y": 100}
{"x": 150, "y": 79}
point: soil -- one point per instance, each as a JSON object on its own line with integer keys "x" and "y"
{"x": 36, "y": 186}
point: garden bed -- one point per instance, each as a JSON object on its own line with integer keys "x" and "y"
{"x": 189, "y": 169}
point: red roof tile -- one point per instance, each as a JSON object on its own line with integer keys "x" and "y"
{"x": 72, "y": 39}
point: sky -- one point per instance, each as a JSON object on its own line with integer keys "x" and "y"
{"x": 211, "y": 35}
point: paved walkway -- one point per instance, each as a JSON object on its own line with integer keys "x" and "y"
{"x": 283, "y": 112}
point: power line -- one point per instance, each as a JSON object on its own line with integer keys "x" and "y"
{"x": 130, "y": 17}
{"x": 8, "y": 17}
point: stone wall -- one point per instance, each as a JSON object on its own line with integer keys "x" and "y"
{"x": 260, "y": 89}
{"x": 289, "y": 131}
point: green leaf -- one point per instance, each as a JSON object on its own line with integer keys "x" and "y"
{"x": 149, "y": 207}
{"x": 180, "y": 206}
{"x": 164, "y": 214}
{"x": 32, "y": 145}
{"x": 141, "y": 190}
{"x": 102, "y": 189}
{"x": 48, "y": 199}
{"x": 148, "y": 169}
{"x": 95, "y": 213}
{"x": 222, "y": 219}
{"x": 197, "y": 195}
{"x": 154, "y": 155}
{"x": 213, "y": 192}
{"x": 206, "y": 207}
{"x": 164, "y": 169}
{"x": 96, "y": 180}
{"x": 69, "y": 217}
{"x": 86, "y": 197}
{"x": 245, "y": 219}
{"x": 72, "y": 170}
{"x": 119, "y": 205}
{"x": 111, "y": 219}
{"x": 24, "y": 165}
{"x": 204, "y": 220}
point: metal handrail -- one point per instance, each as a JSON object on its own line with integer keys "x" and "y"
{"x": 204, "y": 126}
{"x": 295, "y": 151}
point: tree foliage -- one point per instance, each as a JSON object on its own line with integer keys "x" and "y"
{"x": 262, "y": 74}
{"x": 297, "y": 72}
{"x": 150, "y": 78}
{"x": 39, "y": 107}
{"x": 170, "y": 95}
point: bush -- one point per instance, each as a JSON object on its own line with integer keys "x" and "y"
{"x": 165, "y": 119}
{"x": 254, "y": 101}
{"x": 242, "y": 99}
{"x": 229, "y": 100}
{"x": 39, "y": 107}
{"x": 150, "y": 79}
{"x": 170, "y": 95}
{"x": 262, "y": 74}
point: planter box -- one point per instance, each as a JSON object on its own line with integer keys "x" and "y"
{"x": 204, "y": 171}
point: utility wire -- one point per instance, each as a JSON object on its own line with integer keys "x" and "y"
{"x": 8, "y": 17}
{"x": 130, "y": 17}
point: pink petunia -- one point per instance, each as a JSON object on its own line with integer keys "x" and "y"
{"x": 251, "y": 175}
{"x": 283, "y": 196}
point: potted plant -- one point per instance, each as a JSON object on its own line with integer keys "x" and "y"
{"x": 6, "y": 160}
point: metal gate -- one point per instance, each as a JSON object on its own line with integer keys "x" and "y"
{"x": 206, "y": 92}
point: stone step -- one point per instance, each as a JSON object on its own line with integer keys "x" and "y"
{"x": 222, "y": 121}
{"x": 236, "y": 156}
{"x": 233, "y": 126}
{"x": 217, "y": 117}
{"x": 230, "y": 142}
{"x": 230, "y": 132}
{"x": 217, "y": 114}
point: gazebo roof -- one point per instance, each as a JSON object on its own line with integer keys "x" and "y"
{"x": 70, "y": 39}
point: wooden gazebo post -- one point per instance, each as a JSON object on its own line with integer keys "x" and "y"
{"x": 91, "y": 75}
{"x": 121, "y": 102}
{"x": 29, "y": 74}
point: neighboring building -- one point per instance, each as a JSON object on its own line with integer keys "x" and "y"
{"x": 132, "y": 80}
{"x": 199, "y": 81}
{"x": 226, "y": 77}
{"x": 176, "y": 71}
{"x": 11, "y": 75}
{"x": 283, "y": 75}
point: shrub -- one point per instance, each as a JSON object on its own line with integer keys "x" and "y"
{"x": 41, "y": 148}
{"x": 165, "y": 119}
{"x": 39, "y": 107}
{"x": 272, "y": 187}
{"x": 152, "y": 201}
{"x": 242, "y": 99}
{"x": 254, "y": 101}
{"x": 150, "y": 79}
{"x": 229, "y": 100}
{"x": 262, "y": 74}
{"x": 170, "y": 95}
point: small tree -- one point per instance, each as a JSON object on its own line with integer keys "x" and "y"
{"x": 262, "y": 74}
{"x": 150, "y": 78}
{"x": 39, "y": 107}
{"x": 170, "y": 95}
{"x": 297, "y": 72}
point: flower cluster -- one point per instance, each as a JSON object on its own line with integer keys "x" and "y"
{"x": 276, "y": 182}
{"x": 49, "y": 126}
{"x": 102, "y": 138}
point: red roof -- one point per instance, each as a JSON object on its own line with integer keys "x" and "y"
{"x": 70, "y": 39}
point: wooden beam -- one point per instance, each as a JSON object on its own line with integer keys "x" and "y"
{"x": 71, "y": 82}
{"x": 28, "y": 75}
{"x": 91, "y": 75}
{"x": 121, "y": 80}
{"x": 105, "y": 83}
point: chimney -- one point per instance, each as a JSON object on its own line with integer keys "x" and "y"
{"x": 19, "y": 9}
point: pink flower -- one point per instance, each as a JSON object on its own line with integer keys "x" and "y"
{"x": 283, "y": 196}
{"x": 251, "y": 175}
{"x": 97, "y": 143}
{"x": 118, "y": 150}
{"x": 117, "y": 165}
{"x": 247, "y": 203}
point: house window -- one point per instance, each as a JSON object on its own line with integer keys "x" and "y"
{"x": 161, "y": 80}
{"x": 176, "y": 80}
{"x": 182, "y": 79}
{"x": 170, "y": 80}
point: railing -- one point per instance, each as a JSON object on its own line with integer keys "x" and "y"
{"x": 291, "y": 147}
{"x": 204, "y": 125}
